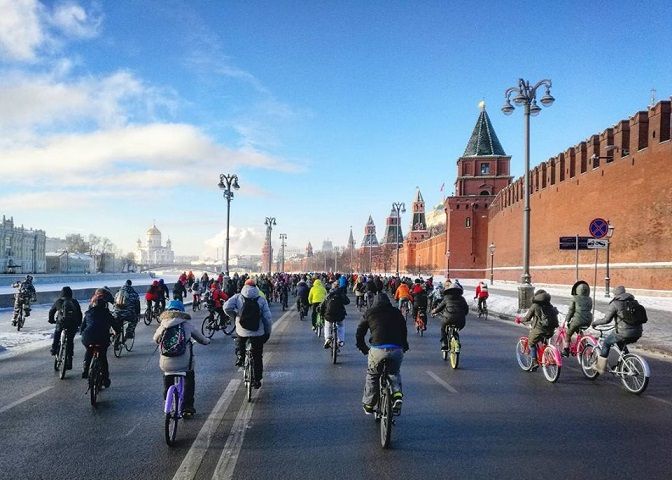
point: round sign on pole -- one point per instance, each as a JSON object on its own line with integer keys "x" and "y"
{"x": 598, "y": 228}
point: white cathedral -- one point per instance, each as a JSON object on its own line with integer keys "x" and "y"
{"x": 154, "y": 253}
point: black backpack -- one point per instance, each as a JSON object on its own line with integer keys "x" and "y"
{"x": 633, "y": 313}
{"x": 250, "y": 314}
{"x": 67, "y": 313}
{"x": 549, "y": 317}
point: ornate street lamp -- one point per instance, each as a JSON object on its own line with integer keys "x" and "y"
{"x": 492, "y": 262}
{"x": 226, "y": 182}
{"x": 526, "y": 95}
{"x": 269, "y": 222}
{"x": 447, "y": 264}
{"x": 399, "y": 207}
{"x": 283, "y": 237}
{"x": 607, "y": 279}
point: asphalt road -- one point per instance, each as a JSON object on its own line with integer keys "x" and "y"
{"x": 486, "y": 419}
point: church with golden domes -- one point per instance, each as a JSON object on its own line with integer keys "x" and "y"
{"x": 154, "y": 253}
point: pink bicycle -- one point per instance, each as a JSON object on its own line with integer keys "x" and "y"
{"x": 548, "y": 357}
{"x": 578, "y": 343}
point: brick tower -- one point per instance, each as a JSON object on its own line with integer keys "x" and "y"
{"x": 419, "y": 230}
{"x": 393, "y": 234}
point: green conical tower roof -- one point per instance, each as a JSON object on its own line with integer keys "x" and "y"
{"x": 484, "y": 141}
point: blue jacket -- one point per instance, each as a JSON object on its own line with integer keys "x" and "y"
{"x": 302, "y": 290}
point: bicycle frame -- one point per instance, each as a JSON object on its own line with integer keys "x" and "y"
{"x": 577, "y": 345}
{"x": 178, "y": 384}
{"x": 621, "y": 352}
{"x": 541, "y": 348}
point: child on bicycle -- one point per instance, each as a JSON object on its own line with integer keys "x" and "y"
{"x": 543, "y": 317}
{"x": 420, "y": 302}
{"x": 579, "y": 314}
{"x": 453, "y": 310}
{"x": 482, "y": 295}
{"x": 173, "y": 316}
{"x": 95, "y": 332}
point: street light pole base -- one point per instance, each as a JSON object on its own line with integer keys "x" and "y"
{"x": 525, "y": 296}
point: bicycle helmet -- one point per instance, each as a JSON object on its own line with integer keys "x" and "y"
{"x": 175, "y": 305}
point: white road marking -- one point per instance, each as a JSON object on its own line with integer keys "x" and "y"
{"x": 441, "y": 382}
{"x": 194, "y": 457}
{"x": 662, "y": 400}
{"x": 229, "y": 457}
{"x": 25, "y": 399}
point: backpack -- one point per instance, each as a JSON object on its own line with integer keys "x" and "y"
{"x": 120, "y": 298}
{"x": 330, "y": 308}
{"x": 633, "y": 313}
{"x": 549, "y": 317}
{"x": 250, "y": 314}
{"x": 67, "y": 312}
{"x": 173, "y": 341}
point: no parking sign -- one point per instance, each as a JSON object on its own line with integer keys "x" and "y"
{"x": 598, "y": 228}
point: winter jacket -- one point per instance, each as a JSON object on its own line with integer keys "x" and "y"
{"x": 540, "y": 302}
{"x": 359, "y": 288}
{"x": 580, "y": 310}
{"x": 615, "y": 312}
{"x": 183, "y": 363}
{"x": 153, "y": 292}
{"x": 402, "y": 292}
{"x": 332, "y": 309}
{"x": 420, "y": 299}
{"x": 218, "y": 297}
{"x": 66, "y": 293}
{"x": 342, "y": 281}
{"x": 302, "y": 291}
{"x": 386, "y": 323}
{"x": 96, "y": 326}
{"x": 453, "y": 308}
{"x": 131, "y": 307}
{"x": 178, "y": 289}
{"x": 317, "y": 293}
{"x": 481, "y": 291}
{"x": 234, "y": 306}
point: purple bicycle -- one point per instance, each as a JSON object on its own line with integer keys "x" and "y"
{"x": 174, "y": 405}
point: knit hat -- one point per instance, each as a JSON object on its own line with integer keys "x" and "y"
{"x": 620, "y": 290}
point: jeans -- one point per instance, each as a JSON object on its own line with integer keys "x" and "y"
{"x": 340, "y": 330}
{"x": 615, "y": 338}
{"x": 394, "y": 357}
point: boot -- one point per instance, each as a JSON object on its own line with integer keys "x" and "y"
{"x": 601, "y": 365}
{"x": 534, "y": 366}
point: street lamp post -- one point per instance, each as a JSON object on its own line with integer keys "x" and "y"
{"x": 335, "y": 259}
{"x": 399, "y": 207}
{"x": 269, "y": 222}
{"x": 526, "y": 96}
{"x": 492, "y": 262}
{"x": 352, "y": 249}
{"x": 283, "y": 237}
{"x": 225, "y": 183}
{"x": 447, "y": 264}
{"x": 607, "y": 279}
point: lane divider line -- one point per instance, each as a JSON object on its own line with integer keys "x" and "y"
{"x": 229, "y": 457}
{"x": 194, "y": 457}
{"x": 441, "y": 382}
{"x": 662, "y": 400}
{"x": 25, "y": 399}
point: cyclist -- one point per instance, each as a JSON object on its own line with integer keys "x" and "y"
{"x": 95, "y": 330}
{"x": 197, "y": 291}
{"x": 544, "y": 319}
{"x": 164, "y": 294}
{"x": 23, "y": 297}
{"x": 67, "y": 315}
{"x": 420, "y": 301}
{"x": 482, "y": 295}
{"x": 332, "y": 310}
{"x": 179, "y": 290}
{"x": 218, "y": 298}
{"x": 402, "y": 295}
{"x": 627, "y": 330}
{"x": 283, "y": 293}
{"x": 250, "y": 310}
{"x": 580, "y": 312}
{"x": 453, "y": 310}
{"x": 436, "y": 296}
{"x": 127, "y": 307}
{"x": 388, "y": 341}
{"x": 316, "y": 295}
{"x": 359, "y": 288}
{"x": 302, "y": 291}
{"x": 191, "y": 278}
{"x": 371, "y": 290}
{"x": 172, "y": 317}
{"x": 152, "y": 294}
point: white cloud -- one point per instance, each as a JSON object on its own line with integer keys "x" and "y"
{"x": 73, "y": 21}
{"x": 243, "y": 241}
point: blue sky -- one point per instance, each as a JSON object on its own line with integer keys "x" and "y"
{"x": 118, "y": 113}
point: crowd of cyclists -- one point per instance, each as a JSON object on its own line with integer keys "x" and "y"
{"x": 384, "y": 301}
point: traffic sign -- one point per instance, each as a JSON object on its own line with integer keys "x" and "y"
{"x": 598, "y": 228}
{"x": 569, "y": 243}
{"x": 596, "y": 243}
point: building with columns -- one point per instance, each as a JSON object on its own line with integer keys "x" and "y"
{"x": 22, "y": 250}
{"x": 153, "y": 252}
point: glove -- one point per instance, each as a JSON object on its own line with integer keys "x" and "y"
{"x": 517, "y": 320}
{"x": 52, "y": 321}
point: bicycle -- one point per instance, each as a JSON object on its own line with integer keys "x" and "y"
{"x": 121, "y": 342}
{"x": 248, "y": 370}
{"x": 303, "y": 309}
{"x": 384, "y": 414}
{"x": 215, "y": 321}
{"x": 577, "y": 345}
{"x": 403, "y": 307}
{"x": 196, "y": 302}
{"x": 359, "y": 300}
{"x": 283, "y": 300}
{"x": 548, "y": 357}
{"x": 152, "y": 314}
{"x": 454, "y": 346}
{"x": 319, "y": 325}
{"x": 173, "y": 406}
{"x": 421, "y": 323}
{"x": 20, "y": 316}
{"x": 483, "y": 309}
{"x": 632, "y": 369}
{"x": 96, "y": 379}
{"x": 62, "y": 359}
{"x": 335, "y": 342}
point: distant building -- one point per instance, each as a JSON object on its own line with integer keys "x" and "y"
{"x": 327, "y": 246}
{"x": 22, "y": 250}
{"x": 154, "y": 253}
{"x": 54, "y": 244}
{"x": 65, "y": 262}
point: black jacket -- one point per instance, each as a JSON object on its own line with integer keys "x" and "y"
{"x": 386, "y": 323}
{"x": 332, "y": 308}
{"x": 96, "y": 326}
{"x": 453, "y": 308}
{"x": 66, "y": 293}
{"x": 302, "y": 291}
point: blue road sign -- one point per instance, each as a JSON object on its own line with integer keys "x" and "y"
{"x": 598, "y": 228}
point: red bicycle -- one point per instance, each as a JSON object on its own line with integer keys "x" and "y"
{"x": 548, "y": 357}
{"x": 577, "y": 345}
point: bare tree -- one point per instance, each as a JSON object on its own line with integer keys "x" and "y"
{"x": 75, "y": 243}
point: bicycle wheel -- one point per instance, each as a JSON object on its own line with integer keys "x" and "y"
{"x": 118, "y": 345}
{"x": 129, "y": 342}
{"x": 206, "y": 327}
{"x": 147, "y": 318}
{"x": 454, "y": 352}
{"x": 19, "y": 321}
{"x": 549, "y": 364}
{"x": 62, "y": 355}
{"x": 485, "y": 311}
{"x": 632, "y": 371}
{"x": 334, "y": 347}
{"x": 94, "y": 384}
{"x": 248, "y": 375}
{"x": 228, "y": 327}
{"x": 385, "y": 417}
{"x": 588, "y": 360}
{"x": 172, "y": 417}
{"x": 523, "y": 354}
